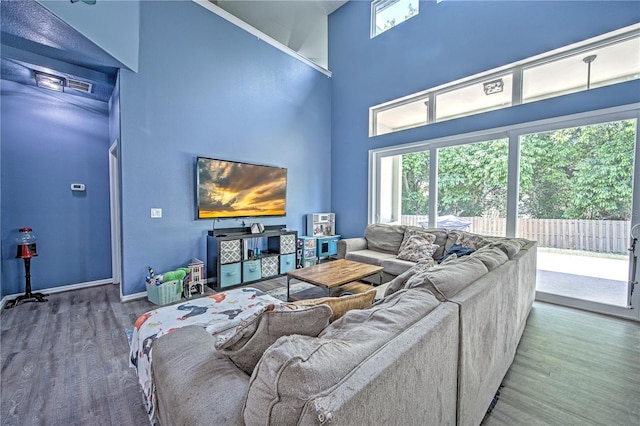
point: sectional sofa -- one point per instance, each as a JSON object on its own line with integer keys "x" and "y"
{"x": 433, "y": 350}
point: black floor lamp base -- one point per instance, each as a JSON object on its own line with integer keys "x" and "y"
{"x": 28, "y": 296}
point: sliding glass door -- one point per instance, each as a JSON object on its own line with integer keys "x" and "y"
{"x": 569, "y": 183}
{"x": 575, "y": 199}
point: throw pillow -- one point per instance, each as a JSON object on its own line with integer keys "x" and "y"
{"x": 417, "y": 248}
{"x": 419, "y": 232}
{"x": 445, "y": 281}
{"x": 246, "y": 344}
{"x": 472, "y": 241}
{"x": 491, "y": 256}
{"x": 509, "y": 247}
{"x": 340, "y": 305}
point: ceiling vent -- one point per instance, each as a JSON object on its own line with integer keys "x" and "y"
{"x": 78, "y": 85}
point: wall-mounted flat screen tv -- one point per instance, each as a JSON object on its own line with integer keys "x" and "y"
{"x": 231, "y": 189}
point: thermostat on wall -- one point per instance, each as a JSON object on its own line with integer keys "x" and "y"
{"x": 77, "y": 186}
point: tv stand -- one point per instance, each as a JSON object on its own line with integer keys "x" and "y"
{"x": 237, "y": 257}
{"x": 223, "y": 232}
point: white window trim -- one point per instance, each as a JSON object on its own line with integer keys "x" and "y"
{"x": 515, "y": 68}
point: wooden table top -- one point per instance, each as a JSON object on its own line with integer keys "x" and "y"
{"x": 334, "y": 273}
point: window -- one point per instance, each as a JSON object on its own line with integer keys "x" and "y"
{"x": 607, "y": 59}
{"x": 414, "y": 113}
{"x": 610, "y": 64}
{"x": 404, "y": 188}
{"x": 569, "y": 183}
{"x": 494, "y": 93}
{"x": 386, "y": 14}
{"x": 576, "y": 200}
{"x": 472, "y": 186}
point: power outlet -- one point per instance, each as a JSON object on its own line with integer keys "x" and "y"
{"x": 156, "y": 213}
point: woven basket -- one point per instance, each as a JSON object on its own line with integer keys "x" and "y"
{"x": 165, "y": 293}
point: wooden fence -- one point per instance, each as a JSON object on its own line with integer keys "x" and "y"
{"x": 605, "y": 236}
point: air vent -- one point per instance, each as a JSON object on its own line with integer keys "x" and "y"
{"x": 79, "y": 85}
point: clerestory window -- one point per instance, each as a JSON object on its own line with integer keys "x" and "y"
{"x": 607, "y": 59}
{"x": 386, "y": 14}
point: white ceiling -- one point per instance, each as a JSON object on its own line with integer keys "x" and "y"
{"x": 299, "y": 24}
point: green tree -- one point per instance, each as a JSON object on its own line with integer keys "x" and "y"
{"x": 578, "y": 173}
{"x": 472, "y": 179}
{"x": 601, "y": 187}
{"x": 545, "y": 171}
{"x": 415, "y": 183}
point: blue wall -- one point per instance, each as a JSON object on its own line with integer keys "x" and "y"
{"x": 206, "y": 87}
{"x": 446, "y": 42}
{"x": 50, "y": 141}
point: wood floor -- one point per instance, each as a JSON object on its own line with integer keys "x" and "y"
{"x": 64, "y": 362}
{"x": 572, "y": 368}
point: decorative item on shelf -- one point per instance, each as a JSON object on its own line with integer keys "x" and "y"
{"x": 257, "y": 228}
{"x": 321, "y": 224}
{"x": 26, "y": 242}
{"x": 253, "y": 248}
{"x": 194, "y": 282}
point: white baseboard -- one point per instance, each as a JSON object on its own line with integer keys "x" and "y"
{"x": 134, "y": 296}
{"x": 60, "y": 289}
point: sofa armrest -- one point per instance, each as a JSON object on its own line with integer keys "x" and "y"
{"x": 194, "y": 383}
{"x": 350, "y": 244}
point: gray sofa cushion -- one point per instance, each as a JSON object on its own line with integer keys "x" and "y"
{"x": 297, "y": 369}
{"x": 194, "y": 382}
{"x": 410, "y": 381}
{"x": 508, "y": 246}
{"x": 369, "y": 256}
{"x": 491, "y": 256}
{"x": 396, "y": 266}
{"x": 385, "y": 238}
{"x": 401, "y": 280}
{"x": 247, "y": 342}
{"x": 446, "y": 280}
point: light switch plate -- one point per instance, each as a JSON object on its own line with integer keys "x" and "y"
{"x": 156, "y": 213}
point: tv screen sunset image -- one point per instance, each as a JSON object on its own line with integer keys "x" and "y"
{"x": 228, "y": 189}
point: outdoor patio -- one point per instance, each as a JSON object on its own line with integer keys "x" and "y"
{"x": 587, "y": 277}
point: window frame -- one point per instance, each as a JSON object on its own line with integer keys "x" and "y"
{"x": 381, "y": 5}
{"x": 516, "y": 69}
{"x": 513, "y": 133}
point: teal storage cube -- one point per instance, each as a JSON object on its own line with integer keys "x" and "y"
{"x": 230, "y": 274}
{"x": 251, "y": 271}
{"x": 287, "y": 262}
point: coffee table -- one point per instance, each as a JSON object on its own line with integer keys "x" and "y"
{"x": 333, "y": 273}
